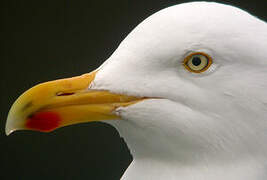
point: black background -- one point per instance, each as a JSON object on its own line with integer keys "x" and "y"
{"x": 46, "y": 40}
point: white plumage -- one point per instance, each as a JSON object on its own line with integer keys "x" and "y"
{"x": 204, "y": 126}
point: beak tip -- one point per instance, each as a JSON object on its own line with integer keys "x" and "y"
{"x": 12, "y": 125}
{"x": 9, "y": 131}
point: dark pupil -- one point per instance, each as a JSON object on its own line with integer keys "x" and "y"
{"x": 196, "y": 61}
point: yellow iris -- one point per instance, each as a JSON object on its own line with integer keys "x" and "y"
{"x": 197, "y": 62}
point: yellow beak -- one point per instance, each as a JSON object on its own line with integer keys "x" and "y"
{"x": 54, "y": 104}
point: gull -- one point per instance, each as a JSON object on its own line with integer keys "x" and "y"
{"x": 186, "y": 89}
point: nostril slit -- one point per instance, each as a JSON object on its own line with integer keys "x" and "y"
{"x": 64, "y": 94}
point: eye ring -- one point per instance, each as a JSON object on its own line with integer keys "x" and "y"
{"x": 197, "y": 62}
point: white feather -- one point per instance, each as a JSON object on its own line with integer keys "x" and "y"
{"x": 205, "y": 126}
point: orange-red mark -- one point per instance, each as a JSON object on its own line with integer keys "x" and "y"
{"x": 44, "y": 121}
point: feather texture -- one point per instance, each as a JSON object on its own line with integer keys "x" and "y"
{"x": 211, "y": 125}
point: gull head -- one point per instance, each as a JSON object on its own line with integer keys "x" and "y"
{"x": 218, "y": 110}
{"x": 188, "y": 86}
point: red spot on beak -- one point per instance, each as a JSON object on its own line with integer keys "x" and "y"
{"x": 43, "y": 121}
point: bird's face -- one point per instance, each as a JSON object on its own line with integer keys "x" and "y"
{"x": 219, "y": 110}
{"x": 180, "y": 83}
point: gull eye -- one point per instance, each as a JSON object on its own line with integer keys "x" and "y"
{"x": 197, "y": 62}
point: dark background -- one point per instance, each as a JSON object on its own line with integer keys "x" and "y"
{"x": 46, "y": 40}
